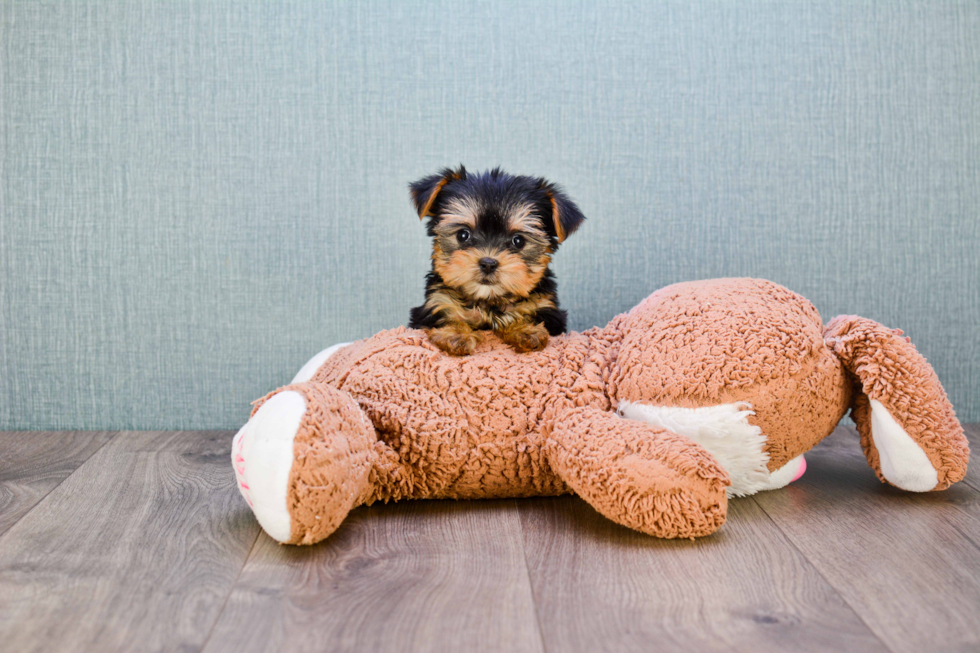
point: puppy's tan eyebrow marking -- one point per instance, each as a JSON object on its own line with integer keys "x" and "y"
{"x": 459, "y": 213}
{"x": 521, "y": 218}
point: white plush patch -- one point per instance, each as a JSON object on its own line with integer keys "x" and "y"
{"x": 307, "y": 371}
{"x": 723, "y": 430}
{"x": 262, "y": 454}
{"x": 903, "y": 462}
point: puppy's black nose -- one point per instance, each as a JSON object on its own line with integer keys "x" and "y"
{"x": 488, "y": 264}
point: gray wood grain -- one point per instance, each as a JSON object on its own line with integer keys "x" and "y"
{"x": 136, "y": 550}
{"x": 906, "y": 563}
{"x": 147, "y": 546}
{"x": 418, "y": 576}
{"x": 33, "y": 464}
{"x": 601, "y": 587}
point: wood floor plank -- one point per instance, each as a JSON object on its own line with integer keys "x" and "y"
{"x": 134, "y": 542}
{"x": 137, "y": 550}
{"x": 416, "y": 576}
{"x": 34, "y": 463}
{"x": 907, "y": 563}
{"x": 602, "y": 587}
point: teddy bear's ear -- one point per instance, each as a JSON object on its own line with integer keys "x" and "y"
{"x": 565, "y": 215}
{"x": 425, "y": 191}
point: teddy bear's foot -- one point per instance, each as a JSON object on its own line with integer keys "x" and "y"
{"x": 788, "y": 473}
{"x": 902, "y": 462}
{"x": 262, "y": 455}
{"x": 909, "y": 432}
{"x": 314, "y": 364}
{"x": 641, "y": 476}
{"x": 303, "y": 461}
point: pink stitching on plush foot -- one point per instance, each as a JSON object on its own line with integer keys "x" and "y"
{"x": 240, "y": 470}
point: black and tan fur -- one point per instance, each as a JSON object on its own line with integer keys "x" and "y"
{"x": 493, "y": 236}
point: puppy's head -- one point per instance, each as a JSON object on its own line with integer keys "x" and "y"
{"x": 493, "y": 234}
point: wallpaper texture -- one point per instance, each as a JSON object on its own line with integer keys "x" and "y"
{"x": 196, "y": 197}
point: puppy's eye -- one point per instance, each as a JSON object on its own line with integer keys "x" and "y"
{"x": 518, "y": 241}
{"x": 463, "y": 235}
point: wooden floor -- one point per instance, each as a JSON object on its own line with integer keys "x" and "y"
{"x": 139, "y": 541}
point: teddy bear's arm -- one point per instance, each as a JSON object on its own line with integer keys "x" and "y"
{"x": 641, "y": 476}
{"x": 909, "y": 432}
{"x": 304, "y": 460}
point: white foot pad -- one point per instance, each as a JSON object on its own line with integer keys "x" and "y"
{"x": 307, "y": 371}
{"x": 262, "y": 455}
{"x": 903, "y": 462}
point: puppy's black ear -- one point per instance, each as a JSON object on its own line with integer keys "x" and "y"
{"x": 565, "y": 215}
{"x": 426, "y": 190}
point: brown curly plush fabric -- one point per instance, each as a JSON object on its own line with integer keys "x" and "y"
{"x": 640, "y": 476}
{"x": 392, "y": 417}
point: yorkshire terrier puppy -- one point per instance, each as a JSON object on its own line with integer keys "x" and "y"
{"x": 493, "y": 235}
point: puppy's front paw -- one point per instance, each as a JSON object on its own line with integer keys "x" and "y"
{"x": 454, "y": 341}
{"x": 526, "y": 337}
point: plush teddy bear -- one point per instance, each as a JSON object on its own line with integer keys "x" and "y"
{"x": 703, "y": 391}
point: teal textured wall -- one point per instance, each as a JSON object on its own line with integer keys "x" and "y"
{"x": 196, "y": 197}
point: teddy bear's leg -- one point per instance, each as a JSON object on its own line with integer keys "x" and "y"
{"x": 303, "y": 461}
{"x": 641, "y": 476}
{"x": 908, "y": 429}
